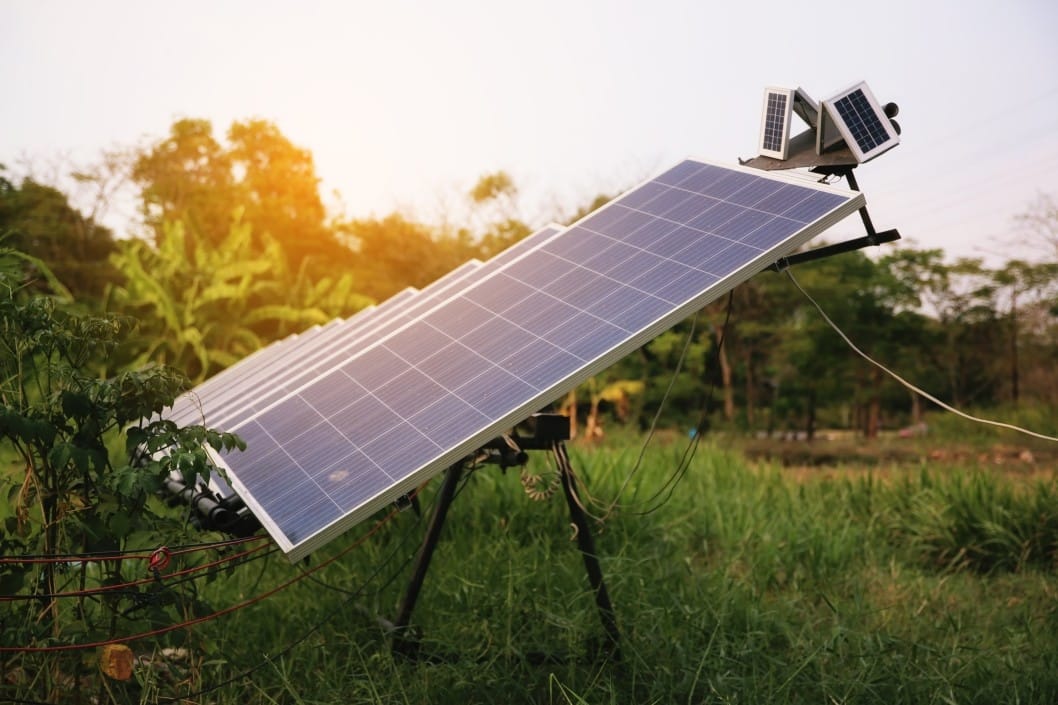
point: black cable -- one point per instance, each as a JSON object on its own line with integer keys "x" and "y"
{"x": 668, "y": 487}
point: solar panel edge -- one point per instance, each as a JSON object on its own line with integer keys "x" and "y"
{"x": 431, "y": 296}
{"x": 249, "y": 374}
{"x": 302, "y": 548}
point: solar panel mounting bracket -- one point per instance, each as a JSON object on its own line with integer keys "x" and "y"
{"x": 871, "y": 239}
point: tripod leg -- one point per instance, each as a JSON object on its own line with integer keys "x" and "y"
{"x": 401, "y": 642}
{"x": 586, "y": 544}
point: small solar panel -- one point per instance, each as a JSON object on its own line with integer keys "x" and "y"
{"x": 775, "y": 122}
{"x": 862, "y": 122}
{"x": 398, "y": 411}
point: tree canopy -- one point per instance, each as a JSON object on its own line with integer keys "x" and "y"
{"x": 38, "y": 219}
{"x": 244, "y": 252}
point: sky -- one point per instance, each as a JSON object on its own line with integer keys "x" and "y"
{"x": 404, "y": 104}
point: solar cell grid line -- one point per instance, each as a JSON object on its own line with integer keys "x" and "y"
{"x": 342, "y": 446}
{"x": 263, "y": 353}
{"x": 188, "y": 405}
{"x": 234, "y": 414}
{"x": 862, "y": 122}
{"x": 867, "y": 129}
{"x": 246, "y": 400}
{"x": 264, "y": 379}
{"x": 191, "y": 407}
{"x": 223, "y": 414}
{"x": 776, "y": 125}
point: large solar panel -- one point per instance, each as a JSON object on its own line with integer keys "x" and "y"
{"x": 775, "y": 122}
{"x": 274, "y": 371}
{"x": 270, "y": 381}
{"x": 195, "y": 405}
{"x": 393, "y": 414}
{"x": 234, "y": 409}
{"x": 862, "y": 122}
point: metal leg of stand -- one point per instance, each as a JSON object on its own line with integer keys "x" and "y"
{"x": 586, "y": 544}
{"x": 403, "y": 643}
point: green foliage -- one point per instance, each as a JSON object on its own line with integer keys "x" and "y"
{"x": 39, "y": 221}
{"x": 193, "y": 178}
{"x": 745, "y": 584}
{"x": 203, "y": 311}
{"x": 980, "y": 523}
{"x": 68, "y": 493}
{"x": 395, "y": 252}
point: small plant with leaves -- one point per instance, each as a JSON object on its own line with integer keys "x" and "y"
{"x": 84, "y": 458}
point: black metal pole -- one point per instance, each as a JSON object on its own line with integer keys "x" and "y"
{"x": 445, "y": 496}
{"x": 586, "y": 544}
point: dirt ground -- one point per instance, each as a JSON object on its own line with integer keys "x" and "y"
{"x": 1030, "y": 459}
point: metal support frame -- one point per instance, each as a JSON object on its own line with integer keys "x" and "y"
{"x": 872, "y": 238}
{"x": 405, "y": 641}
{"x": 586, "y": 544}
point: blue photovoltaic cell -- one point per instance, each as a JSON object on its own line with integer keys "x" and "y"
{"x": 443, "y": 384}
{"x": 261, "y": 392}
{"x": 863, "y": 122}
{"x": 245, "y": 376}
{"x": 775, "y": 119}
{"x": 271, "y": 373}
{"x": 291, "y": 371}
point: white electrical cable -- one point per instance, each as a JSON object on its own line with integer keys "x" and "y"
{"x": 904, "y": 382}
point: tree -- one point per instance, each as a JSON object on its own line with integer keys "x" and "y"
{"x": 1026, "y": 286}
{"x": 394, "y": 253}
{"x": 1041, "y": 223}
{"x": 193, "y": 178}
{"x": 38, "y": 220}
{"x": 280, "y": 192}
{"x": 203, "y": 307}
{"x": 188, "y": 177}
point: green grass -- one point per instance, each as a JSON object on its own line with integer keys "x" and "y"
{"x": 750, "y": 584}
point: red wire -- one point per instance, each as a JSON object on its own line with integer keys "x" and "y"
{"x": 142, "y": 581}
{"x": 101, "y": 557}
{"x": 219, "y": 613}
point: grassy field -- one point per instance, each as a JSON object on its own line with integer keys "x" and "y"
{"x": 928, "y": 580}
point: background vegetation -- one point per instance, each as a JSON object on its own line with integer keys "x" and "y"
{"x": 902, "y": 559}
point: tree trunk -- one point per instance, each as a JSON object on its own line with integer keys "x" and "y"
{"x": 810, "y": 421}
{"x": 1014, "y": 347}
{"x": 750, "y": 401}
{"x": 725, "y": 377}
{"x": 570, "y": 408}
{"x": 874, "y": 405}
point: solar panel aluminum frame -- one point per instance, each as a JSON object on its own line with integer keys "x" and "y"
{"x": 829, "y": 113}
{"x": 765, "y": 123}
{"x": 501, "y": 424}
